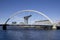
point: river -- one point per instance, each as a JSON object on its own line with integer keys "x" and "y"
{"x": 30, "y": 34}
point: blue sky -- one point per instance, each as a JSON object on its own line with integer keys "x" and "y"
{"x": 49, "y": 7}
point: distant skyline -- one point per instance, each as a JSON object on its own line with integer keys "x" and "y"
{"x": 49, "y": 7}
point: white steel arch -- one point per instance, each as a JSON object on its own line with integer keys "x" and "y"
{"x": 32, "y": 11}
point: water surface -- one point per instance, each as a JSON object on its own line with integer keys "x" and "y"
{"x": 24, "y": 34}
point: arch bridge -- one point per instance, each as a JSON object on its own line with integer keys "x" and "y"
{"x": 19, "y": 12}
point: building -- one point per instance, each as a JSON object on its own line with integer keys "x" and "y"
{"x": 21, "y": 23}
{"x": 43, "y": 22}
{"x": 14, "y": 22}
{"x": 58, "y": 24}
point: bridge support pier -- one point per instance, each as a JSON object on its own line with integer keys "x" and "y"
{"x": 54, "y": 27}
{"x": 4, "y": 27}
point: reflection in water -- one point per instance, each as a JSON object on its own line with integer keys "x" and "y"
{"x": 30, "y": 35}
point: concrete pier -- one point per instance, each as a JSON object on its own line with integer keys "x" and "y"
{"x": 54, "y": 27}
{"x": 4, "y": 27}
